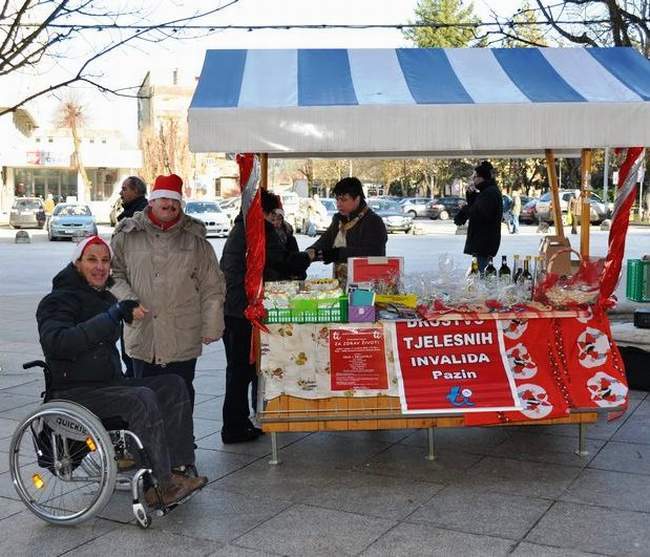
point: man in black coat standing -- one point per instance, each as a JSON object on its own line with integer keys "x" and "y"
{"x": 484, "y": 210}
{"x": 133, "y": 194}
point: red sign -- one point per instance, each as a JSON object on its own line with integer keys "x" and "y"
{"x": 357, "y": 359}
{"x": 369, "y": 269}
{"x": 453, "y": 366}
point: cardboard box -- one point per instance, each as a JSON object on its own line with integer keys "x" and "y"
{"x": 549, "y": 246}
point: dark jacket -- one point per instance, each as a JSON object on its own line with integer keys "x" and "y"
{"x": 128, "y": 210}
{"x": 484, "y": 210}
{"x": 77, "y": 334}
{"x": 281, "y": 264}
{"x": 367, "y": 238}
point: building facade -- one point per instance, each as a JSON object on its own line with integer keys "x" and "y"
{"x": 163, "y": 99}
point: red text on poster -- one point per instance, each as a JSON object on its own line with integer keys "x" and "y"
{"x": 452, "y": 366}
{"x": 357, "y": 359}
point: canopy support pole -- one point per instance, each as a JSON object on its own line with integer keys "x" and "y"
{"x": 264, "y": 171}
{"x": 555, "y": 193}
{"x": 585, "y": 195}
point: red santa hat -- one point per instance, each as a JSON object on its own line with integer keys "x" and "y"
{"x": 81, "y": 247}
{"x": 170, "y": 187}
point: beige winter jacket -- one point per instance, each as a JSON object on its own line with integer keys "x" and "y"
{"x": 176, "y": 276}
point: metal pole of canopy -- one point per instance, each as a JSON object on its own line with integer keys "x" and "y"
{"x": 585, "y": 194}
{"x": 555, "y": 192}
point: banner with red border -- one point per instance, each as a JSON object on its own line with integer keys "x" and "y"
{"x": 452, "y": 367}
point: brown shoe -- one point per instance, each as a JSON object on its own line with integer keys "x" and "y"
{"x": 177, "y": 488}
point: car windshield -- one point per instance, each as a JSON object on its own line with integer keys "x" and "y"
{"x": 28, "y": 205}
{"x": 202, "y": 207}
{"x": 72, "y": 211}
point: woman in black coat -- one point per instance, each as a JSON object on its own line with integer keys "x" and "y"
{"x": 484, "y": 210}
{"x": 356, "y": 230}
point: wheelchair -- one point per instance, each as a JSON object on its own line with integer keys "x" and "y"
{"x": 63, "y": 462}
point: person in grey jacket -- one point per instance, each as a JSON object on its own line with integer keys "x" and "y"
{"x": 163, "y": 259}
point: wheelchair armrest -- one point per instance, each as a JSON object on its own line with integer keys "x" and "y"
{"x": 35, "y": 363}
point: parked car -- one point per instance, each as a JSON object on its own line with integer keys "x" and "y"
{"x": 216, "y": 221}
{"x": 231, "y": 206}
{"x": 445, "y": 207}
{"x": 69, "y": 220}
{"x": 392, "y": 215}
{"x": 599, "y": 210}
{"x": 27, "y": 212}
{"x": 528, "y": 213}
{"x": 415, "y": 206}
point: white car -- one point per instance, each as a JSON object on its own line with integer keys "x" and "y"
{"x": 216, "y": 221}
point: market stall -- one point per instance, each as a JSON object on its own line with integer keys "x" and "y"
{"x": 544, "y": 353}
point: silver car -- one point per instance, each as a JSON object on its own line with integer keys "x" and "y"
{"x": 27, "y": 212}
{"x": 71, "y": 220}
{"x": 415, "y": 206}
{"x": 216, "y": 221}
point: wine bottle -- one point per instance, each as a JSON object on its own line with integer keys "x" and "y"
{"x": 473, "y": 270}
{"x": 526, "y": 274}
{"x": 516, "y": 269}
{"x": 504, "y": 270}
{"x": 490, "y": 269}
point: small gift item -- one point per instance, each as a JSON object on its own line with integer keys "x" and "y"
{"x": 361, "y": 314}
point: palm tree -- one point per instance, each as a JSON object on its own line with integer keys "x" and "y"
{"x": 72, "y": 114}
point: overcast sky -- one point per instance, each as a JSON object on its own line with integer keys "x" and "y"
{"x": 128, "y": 66}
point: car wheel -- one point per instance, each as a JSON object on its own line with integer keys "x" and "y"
{"x": 444, "y": 215}
{"x": 413, "y": 214}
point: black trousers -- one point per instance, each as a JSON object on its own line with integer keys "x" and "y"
{"x": 156, "y": 409}
{"x": 239, "y": 373}
{"x": 185, "y": 370}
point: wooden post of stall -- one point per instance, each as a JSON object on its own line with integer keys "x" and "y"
{"x": 585, "y": 195}
{"x": 555, "y": 193}
{"x": 264, "y": 168}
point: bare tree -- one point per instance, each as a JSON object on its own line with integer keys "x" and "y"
{"x": 35, "y": 32}
{"x": 166, "y": 151}
{"x": 585, "y": 22}
{"x": 71, "y": 114}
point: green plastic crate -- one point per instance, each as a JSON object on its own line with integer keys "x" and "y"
{"x": 334, "y": 310}
{"x": 638, "y": 280}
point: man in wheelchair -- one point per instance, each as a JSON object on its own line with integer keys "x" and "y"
{"x": 79, "y": 323}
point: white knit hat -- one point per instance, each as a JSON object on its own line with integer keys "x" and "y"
{"x": 81, "y": 247}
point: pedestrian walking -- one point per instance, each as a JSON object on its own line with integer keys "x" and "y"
{"x": 515, "y": 210}
{"x": 163, "y": 259}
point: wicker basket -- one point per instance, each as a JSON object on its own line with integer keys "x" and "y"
{"x": 560, "y": 296}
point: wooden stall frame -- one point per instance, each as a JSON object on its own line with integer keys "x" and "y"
{"x": 585, "y": 209}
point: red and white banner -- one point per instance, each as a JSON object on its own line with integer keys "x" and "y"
{"x": 357, "y": 359}
{"x": 453, "y": 367}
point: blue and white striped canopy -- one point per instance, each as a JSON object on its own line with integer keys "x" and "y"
{"x": 420, "y": 101}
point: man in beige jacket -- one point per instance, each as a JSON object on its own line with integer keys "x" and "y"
{"x": 163, "y": 260}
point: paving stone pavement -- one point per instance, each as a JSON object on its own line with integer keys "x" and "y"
{"x": 491, "y": 491}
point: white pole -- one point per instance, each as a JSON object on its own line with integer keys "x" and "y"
{"x": 606, "y": 177}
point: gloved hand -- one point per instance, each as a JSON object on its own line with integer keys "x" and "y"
{"x": 123, "y": 311}
{"x": 330, "y": 255}
{"x": 461, "y": 217}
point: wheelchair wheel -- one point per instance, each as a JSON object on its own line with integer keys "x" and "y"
{"x": 62, "y": 463}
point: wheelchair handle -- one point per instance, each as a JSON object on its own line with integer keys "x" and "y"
{"x": 35, "y": 363}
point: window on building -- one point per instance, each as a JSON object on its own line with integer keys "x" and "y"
{"x": 50, "y": 140}
{"x": 91, "y": 140}
{"x": 38, "y": 140}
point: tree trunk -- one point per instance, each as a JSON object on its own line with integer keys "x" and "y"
{"x": 78, "y": 163}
